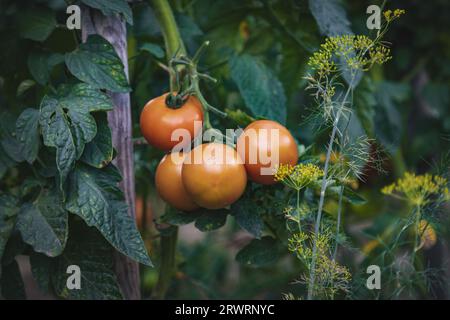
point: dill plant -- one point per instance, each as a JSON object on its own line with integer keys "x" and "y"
{"x": 424, "y": 194}
{"x": 340, "y": 57}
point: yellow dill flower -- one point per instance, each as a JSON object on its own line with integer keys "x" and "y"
{"x": 298, "y": 176}
{"x": 283, "y": 171}
{"x": 418, "y": 188}
{"x": 428, "y": 236}
{"x": 390, "y": 15}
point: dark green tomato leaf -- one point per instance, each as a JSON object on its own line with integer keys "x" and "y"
{"x": 27, "y": 134}
{"x": 248, "y": 217}
{"x": 94, "y": 256}
{"x": 11, "y": 282}
{"x": 99, "y": 152}
{"x": 179, "y": 218}
{"x": 365, "y": 103}
{"x": 332, "y": 20}
{"x": 330, "y": 17}
{"x": 67, "y": 124}
{"x": 388, "y": 120}
{"x": 260, "y": 252}
{"x": 37, "y": 24}
{"x": 211, "y": 219}
{"x": 57, "y": 133}
{"x": 93, "y": 195}
{"x": 43, "y": 224}
{"x": 42, "y": 269}
{"x": 262, "y": 92}
{"x": 8, "y": 211}
{"x": 153, "y": 49}
{"x": 5, "y": 162}
{"x": 97, "y": 63}
{"x": 112, "y": 7}
{"x": 8, "y": 137}
{"x": 41, "y": 63}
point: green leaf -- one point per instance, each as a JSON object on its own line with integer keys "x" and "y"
{"x": 262, "y": 92}
{"x": 94, "y": 256}
{"x": 112, "y": 7}
{"x": 260, "y": 252}
{"x": 365, "y": 104}
{"x": 178, "y": 218}
{"x": 43, "y": 224}
{"x": 153, "y": 49}
{"x": 8, "y": 140}
{"x": 8, "y": 211}
{"x": 99, "y": 152}
{"x": 332, "y": 20}
{"x": 11, "y": 283}
{"x": 330, "y": 17}
{"x": 5, "y": 162}
{"x": 41, "y": 269}
{"x": 37, "y": 24}
{"x": 41, "y": 63}
{"x": 95, "y": 197}
{"x": 349, "y": 195}
{"x": 388, "y": 120}
{"x": 211, "y": 219}
{"x": 24, "y": 86}
{"x": 67, "y": 124}
{"x": 97, "y": 63}
{"x": 27, "y": 133}
{"x": 248, "y": 217}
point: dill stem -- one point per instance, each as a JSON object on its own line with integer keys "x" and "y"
{"x": 298, "y": 211}
{"x": 416, "y": 234}
{"x": 322, "y": 192}
{"x": 338, "y": 223}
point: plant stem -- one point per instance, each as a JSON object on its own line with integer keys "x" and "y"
{"x": 323, "y": 190}
{"x": 167, "y": 267}
{"x": 298, "y": 211}
{"x": 338, "y": 223}
{"x": 416, "y": 234}
{"x": 172, "y": 38}
{"x": 174, "y": 44}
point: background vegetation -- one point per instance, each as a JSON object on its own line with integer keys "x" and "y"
{"x": 258, "y": 53}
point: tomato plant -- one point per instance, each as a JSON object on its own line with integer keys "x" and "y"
{"x": 170, "y": 185}
{"x": 159, "y": 120}
{"x": 320, "y": 150}
{"x": 214, "y": 176}
{"x": 264, "y": 138}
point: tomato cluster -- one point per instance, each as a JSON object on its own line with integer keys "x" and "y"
{"x": 212, "y": 175}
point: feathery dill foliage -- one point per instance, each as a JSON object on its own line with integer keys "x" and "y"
{"x": 421, "y": 192}
{"x": 340, "y": 57}
{"x": 332, "y": 278}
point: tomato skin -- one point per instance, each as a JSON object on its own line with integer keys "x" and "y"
{"x": 212, "y": 182}
{"x": 169, "y": 184}
{"x": 253, "y": 145}
{"x": 158, "y": 121}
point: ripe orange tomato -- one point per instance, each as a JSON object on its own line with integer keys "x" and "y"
{"x": 214, "y": 175}
{"x": 256, "y": 148}
{"x": 158, "y": 121}
{"x": 169, "y": 185}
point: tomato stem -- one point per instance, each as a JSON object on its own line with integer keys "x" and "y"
{"x": 174, "y": 47}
